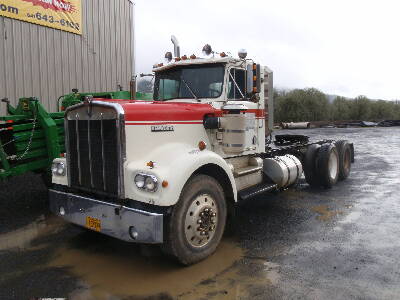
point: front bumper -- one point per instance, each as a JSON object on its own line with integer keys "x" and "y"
{"x": 121, "y": 222}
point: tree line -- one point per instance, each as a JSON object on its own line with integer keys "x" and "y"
{"x": 311, "y": 104}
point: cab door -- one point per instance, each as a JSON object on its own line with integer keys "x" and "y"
{"x": 237, "y": 94}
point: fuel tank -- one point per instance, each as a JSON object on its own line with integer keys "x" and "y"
{"x": 283, "y": 170}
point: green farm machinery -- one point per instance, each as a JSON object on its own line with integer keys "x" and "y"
{"x": 31, "y": 137}
{"x": 75, "y": 97}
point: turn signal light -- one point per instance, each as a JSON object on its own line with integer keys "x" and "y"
{"x": 164, "y": 184}
{"x": 202, "y": 145}
{"x": 150, "y": 164}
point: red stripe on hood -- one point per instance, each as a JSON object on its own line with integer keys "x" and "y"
{"x": 139, "y": 110}
{"x": 164, "y": 111}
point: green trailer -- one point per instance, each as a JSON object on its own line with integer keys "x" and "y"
{"x": 31, "y": 137}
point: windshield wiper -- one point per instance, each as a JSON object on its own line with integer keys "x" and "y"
{"x": 191, "y": 91}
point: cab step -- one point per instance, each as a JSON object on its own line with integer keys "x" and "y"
{"x": 257, "y": 190}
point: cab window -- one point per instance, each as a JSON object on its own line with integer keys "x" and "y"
{"x": 237, "y": 91}
{"x": 169, "y": 89}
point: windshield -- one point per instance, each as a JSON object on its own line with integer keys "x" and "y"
{"x": 194, "y": 82}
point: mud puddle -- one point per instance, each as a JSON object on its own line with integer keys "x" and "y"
{"x": 325, "y": 213}
{"x": 123, "y": 275}
{"x": 22, "y": 237}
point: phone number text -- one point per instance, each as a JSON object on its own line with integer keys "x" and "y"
{"x": 50, "y": 19}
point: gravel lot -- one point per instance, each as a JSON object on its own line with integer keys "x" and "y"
{"x": 300, "y": 244}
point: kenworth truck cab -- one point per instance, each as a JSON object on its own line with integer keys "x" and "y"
{"x": 170, "y": 171}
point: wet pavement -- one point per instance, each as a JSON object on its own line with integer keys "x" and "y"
{"x": 302, "y": 243}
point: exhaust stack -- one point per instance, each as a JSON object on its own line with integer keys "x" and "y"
{"x": 177, "y": 49}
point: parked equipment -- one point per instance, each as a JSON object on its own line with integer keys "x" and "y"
{"x": 296, "y": 125}
{"x": 31, "y": 137}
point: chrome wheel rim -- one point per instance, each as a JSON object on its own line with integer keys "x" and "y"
{"x": 201, "y": 221}
{"x": 333, "y": 165}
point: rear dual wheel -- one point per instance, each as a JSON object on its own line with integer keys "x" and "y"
{"x": 322, "y": 165}
{"x": 327, "y": 165}
{"x": 345, "y": 157}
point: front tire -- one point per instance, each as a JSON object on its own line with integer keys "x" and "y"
{"x": 197, "y": 221}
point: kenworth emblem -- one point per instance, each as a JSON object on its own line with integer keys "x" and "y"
{"x": 158, "y": 128}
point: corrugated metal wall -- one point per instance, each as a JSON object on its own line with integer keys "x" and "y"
{"x": 47, "y": 63}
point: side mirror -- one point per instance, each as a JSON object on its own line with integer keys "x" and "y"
{"x": 253, "y": 85}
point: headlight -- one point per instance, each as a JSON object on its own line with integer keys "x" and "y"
{"x": 146, "y": 182}
{"x": 151, "y": 183}
{"x": 54, "y": 168}
{"x": 139, "y": 180}
{"x": 61, "y": 169}
{"x": 58, "y": 168}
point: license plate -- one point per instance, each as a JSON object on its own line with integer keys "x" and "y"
{"x": 93, "y": 223}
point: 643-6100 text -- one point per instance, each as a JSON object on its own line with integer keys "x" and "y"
{"x": 51, "y": 19}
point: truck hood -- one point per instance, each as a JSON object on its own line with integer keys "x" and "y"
{"x": 157, "y": 111}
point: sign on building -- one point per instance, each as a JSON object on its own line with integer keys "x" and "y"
{"x": 59, "y": 14}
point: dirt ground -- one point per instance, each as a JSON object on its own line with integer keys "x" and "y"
{"x": 302, "y": 243}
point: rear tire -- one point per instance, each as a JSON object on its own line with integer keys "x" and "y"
{"x": 310, "y": 171}
{"x": 345, "y": 157}
{"x": 197, "y": 222}
{"x": 327, "y": 165}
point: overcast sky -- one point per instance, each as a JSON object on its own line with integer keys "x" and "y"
{"x": 344, "y": 47}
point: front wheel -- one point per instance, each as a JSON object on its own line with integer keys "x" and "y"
{"x": 197, "y": 221}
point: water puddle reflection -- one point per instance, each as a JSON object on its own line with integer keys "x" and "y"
{"x": 120, "y": 274}
{"x": 23, "y": 237}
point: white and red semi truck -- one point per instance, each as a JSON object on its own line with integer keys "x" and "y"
{"x": 170, "y": 171}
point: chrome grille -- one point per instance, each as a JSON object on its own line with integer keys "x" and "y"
{"x": 94, "y": 148}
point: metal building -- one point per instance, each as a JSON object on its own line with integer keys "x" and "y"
{"x": 47, "y": 63}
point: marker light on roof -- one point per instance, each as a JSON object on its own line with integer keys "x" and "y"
{"x": 168, "y": 56}
{"x": 242, "y": 53}
{"x": 207, "y": 49}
